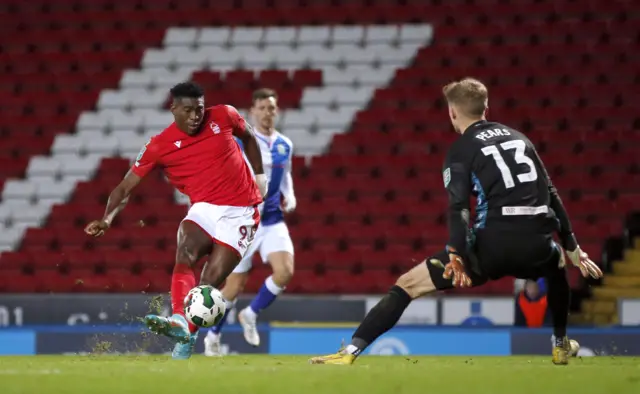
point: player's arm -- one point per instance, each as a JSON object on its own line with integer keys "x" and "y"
{"x": 119, "y": 196}
{"x": 567, "y": 238}
{"x": 244, "y": 132}
{"x": 118, "y": 199}
{"x": 457, "y": 181}
{"x": 286, "y": 187}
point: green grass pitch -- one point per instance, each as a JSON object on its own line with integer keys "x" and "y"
{"x": 291, "y": 374}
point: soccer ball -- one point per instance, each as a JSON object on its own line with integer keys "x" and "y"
{"x": 204, "y": 306}
{"x": 575, "y": 348}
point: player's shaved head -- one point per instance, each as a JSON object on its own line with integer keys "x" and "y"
{"x": 186, "y": 90}
{"x": 469, "y": 95}
{"x": 188, "y": 106}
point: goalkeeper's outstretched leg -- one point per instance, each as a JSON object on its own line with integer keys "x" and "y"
{"x": 435, "y": 273}
{"x": 446, "y": 270}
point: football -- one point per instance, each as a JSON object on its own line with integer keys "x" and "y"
{"x": 575, "y": 348}
{"x": 204, "y": 306}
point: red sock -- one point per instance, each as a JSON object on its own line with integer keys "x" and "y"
{"x": 182, "y": 280}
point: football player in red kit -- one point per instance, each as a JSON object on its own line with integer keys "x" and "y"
{"x": 200, "y": 158}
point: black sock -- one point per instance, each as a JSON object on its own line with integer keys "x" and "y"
{"x": 381, "y": 318}
{"x": 558, "y": 299}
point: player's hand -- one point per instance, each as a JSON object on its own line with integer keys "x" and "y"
{"x": 289, "y": 204}
{"x": 581, "y": 260}
{"x": 263, "y": 184}
{"x": 97, "y": 228}
{"x": 455, "y": 269}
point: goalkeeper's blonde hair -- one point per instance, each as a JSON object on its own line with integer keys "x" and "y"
{"x": 469, "y": 95}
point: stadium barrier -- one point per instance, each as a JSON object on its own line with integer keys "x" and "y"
{"x": 112, "y": 309}
{"x": 307, "y": 340}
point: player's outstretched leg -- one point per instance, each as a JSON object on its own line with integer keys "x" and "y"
{"x": 233, "y": 286}
{"x": 193, "y": 243}
{"x": 282, "y": 265}
{"x": 413, "y": 284}
{"x": 558, "y": 297}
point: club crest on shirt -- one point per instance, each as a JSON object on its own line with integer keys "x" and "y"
{"x": 281, "y": 149}
{"x": 446, "y": 176}
{"x": 214, "y": 127}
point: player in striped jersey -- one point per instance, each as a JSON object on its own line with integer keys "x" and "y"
{"x": 272, "y": 240}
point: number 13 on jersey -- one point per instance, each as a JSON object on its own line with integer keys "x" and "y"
{"x": 520, "y": 158}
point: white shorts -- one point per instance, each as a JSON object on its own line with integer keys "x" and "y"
{"x": 233, "y": 227}
{"x": 269, "y": 239}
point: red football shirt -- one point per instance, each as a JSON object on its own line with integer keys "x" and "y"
{"x": 207, "y": 167}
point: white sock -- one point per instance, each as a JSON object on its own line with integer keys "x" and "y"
{"x": 272, "y": 286}
{"x": 351, "y": 349}
{"x": 250, "y": 313}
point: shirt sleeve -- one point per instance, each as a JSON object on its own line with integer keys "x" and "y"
{"x": 146, "y": 160}
{"x": 567, "y": 238}
{"x": 457, "y": 182}
{"x": 238, "y": 123}
{"x": 286, "y": 186}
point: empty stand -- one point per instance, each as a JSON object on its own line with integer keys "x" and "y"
{"x": 359, "y": 85}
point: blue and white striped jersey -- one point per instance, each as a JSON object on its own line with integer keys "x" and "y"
{"x": 277, "y": 151}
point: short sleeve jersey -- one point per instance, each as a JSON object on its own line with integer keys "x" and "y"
{"x": 208, "y": 166}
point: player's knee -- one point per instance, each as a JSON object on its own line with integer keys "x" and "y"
{"x": 417, "y": 281}
{"x": 283, "y": 269}
{"x": 404, "y": 282}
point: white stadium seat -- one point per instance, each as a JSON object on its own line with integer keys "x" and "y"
{"x": 213, "y": 36}
{"x": 347, "y": 34}
{"x": 422, "y": 33}
{"x": 180, "y": 37}
{"x": 5, "y": 214}
{"x": 81, "y": 165}
{"x": 314, "y": 34}
{"x": 135, "y": 79}
{"x": 195, "y": 58}
{"x": 280, "y": 35}
{"x": 91, "y": 120}
{"x": 258, "y": 59}
{"x": 289, "y": 58}
{"x": 64, "y": 143}
{"x": 54, "y": 189}
{"x": 381, "y": 34}
{"x": 34, "y": 216}
{"x": 158, "y": 58}
{"x": 10, "y": 237}
{"x": 43, "y": 168}
{"x": 113, "y": 99}
{"x": 219, "y": 56}
{"x": 158, "y": 120}
{"x": 105, "y": 146}
{"x": 246, "y": 36}
{"x": 18, "y": 190}
{"x": 149, "y": 99}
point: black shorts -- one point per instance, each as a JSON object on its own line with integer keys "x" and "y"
{"x": 495, "y": 255}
